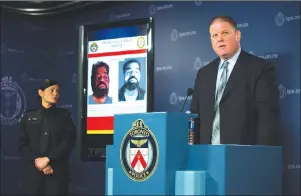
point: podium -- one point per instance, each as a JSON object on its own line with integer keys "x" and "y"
{"x": 151, "y": 155}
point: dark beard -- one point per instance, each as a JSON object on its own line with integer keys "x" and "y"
{"x": 100, "y": 92}
{"x": 131, "y": 85}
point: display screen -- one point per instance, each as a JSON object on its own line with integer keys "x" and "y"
{"x": 117, "y": 79}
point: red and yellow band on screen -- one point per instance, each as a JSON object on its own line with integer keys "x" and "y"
{"x": 100, "y": 125}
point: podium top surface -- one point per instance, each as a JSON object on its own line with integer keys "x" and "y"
{"x": 192, "y": 115}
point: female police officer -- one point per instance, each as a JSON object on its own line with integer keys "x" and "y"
{"x": 46, "y": 139}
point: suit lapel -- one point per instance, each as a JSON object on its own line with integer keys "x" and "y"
{"x": 235, "y": 76}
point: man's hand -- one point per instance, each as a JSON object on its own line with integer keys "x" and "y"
{"x": 48, "y": 170}
{"x": 41, "y": 163}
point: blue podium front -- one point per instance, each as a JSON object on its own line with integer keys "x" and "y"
{"x": 151, "y": 155}
{"x": 238, "y": 169}
{"x": 158, "y": 141}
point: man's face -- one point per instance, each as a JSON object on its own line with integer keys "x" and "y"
{"x": 225, "y": 39}
{"x": 101, "y": 82}
{"x": 132, "y": 76}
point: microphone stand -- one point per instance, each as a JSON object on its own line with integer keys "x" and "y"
{"x": 189, "y": 92}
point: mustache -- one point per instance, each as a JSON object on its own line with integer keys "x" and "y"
{"x": 132, "y": 77}
{"x": 100, "y": 83}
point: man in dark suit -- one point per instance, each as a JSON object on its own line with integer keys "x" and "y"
{"x": 46, "y": 139}
{"x": 235, "y": 95}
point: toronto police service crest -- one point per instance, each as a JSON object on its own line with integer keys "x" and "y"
{"x": 93, "y": 47}
{"x": 139, "y": 153}
{"x": 13, "y": 102}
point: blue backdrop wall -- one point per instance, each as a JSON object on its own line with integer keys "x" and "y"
{"x": 33, "y": 48}
{"x": 26, "y": 52}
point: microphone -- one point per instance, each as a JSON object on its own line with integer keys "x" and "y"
{"x": 189, "y": 92}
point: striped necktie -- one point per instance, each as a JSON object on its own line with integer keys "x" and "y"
{"x": 215, "y": 139}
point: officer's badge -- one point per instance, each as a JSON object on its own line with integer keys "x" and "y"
{"x": 139, "y": 152}
{"x": 93, "y": 47}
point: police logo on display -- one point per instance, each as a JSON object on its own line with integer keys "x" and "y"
{"x": 141, "y": 42}
{"x": 139, "y": 152}
{"x": 13, "y": 101}
{"x": 280, "y": 19}
{"x": 174, "y": 36}
{"x": 198, "y": 3}
{"x": 152, "y": 9}
{"x": 173, "y": 98}
{"x": 282, "y": 91}
{"x": 198, "y": 64}
{"x": 93, "y": 47}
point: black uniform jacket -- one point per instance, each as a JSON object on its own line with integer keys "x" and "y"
{"x": 47, "y": 133}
